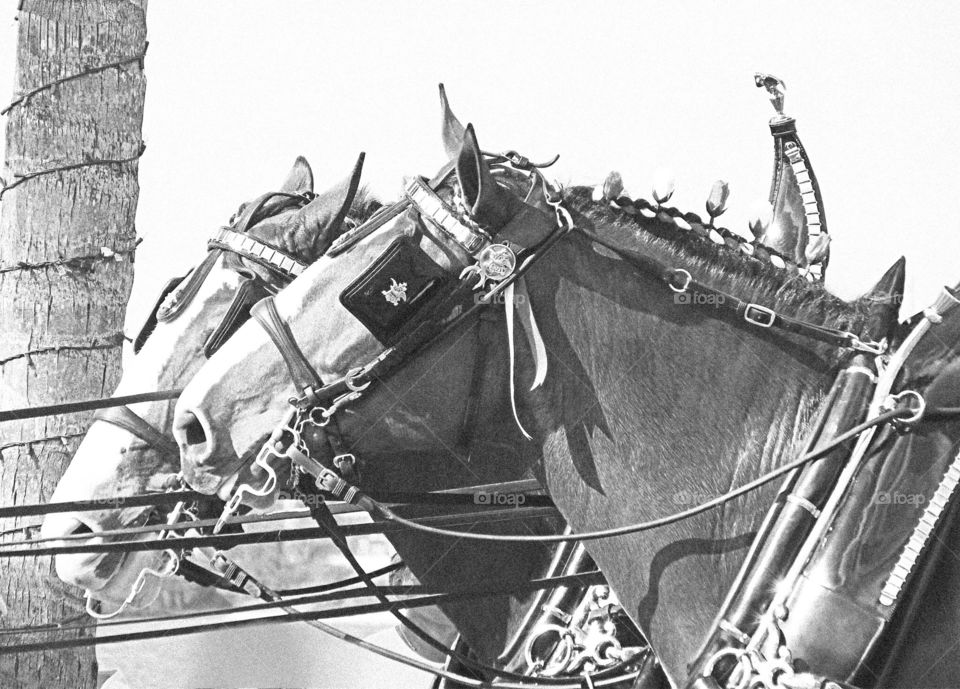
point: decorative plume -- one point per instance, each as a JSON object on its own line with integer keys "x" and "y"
{"x": 818, "y": 249}
{"x": 760, "y": 217}
{"x": 664, "y": 184}
{"x": 717, "y": 201}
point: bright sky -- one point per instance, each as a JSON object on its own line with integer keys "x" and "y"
{"x": 237, "y": 89}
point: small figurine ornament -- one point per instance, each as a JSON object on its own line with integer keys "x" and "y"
{"x": 396, "y": 293}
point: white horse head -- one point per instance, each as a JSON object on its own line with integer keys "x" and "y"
{"x": 117, "y": 460}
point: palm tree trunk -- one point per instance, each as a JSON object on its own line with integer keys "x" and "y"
{"x": 67, "y": 238}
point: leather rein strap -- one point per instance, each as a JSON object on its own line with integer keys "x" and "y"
{"x": 681, "y": 282}
{"x": 125, "y": 418}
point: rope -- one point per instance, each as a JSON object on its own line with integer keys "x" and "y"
{"x": 73, "y": 166}
{"x": 92, "y": 70}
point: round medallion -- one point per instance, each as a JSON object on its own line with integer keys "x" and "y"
{"x": 496, "y": 262}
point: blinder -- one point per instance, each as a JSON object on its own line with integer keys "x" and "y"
{"x": 401, "y": 282}
{"x": 388, "y": 296}
{"x": 252, "y": 289}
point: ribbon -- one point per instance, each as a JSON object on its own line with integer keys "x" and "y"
{"x": 524, "y": 310}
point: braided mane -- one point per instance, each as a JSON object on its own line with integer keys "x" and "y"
{"x": 684, "y": 240}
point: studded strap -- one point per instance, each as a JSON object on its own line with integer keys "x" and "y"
{"x": 257, "y": 251}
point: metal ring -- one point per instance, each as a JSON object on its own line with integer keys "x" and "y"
{"x": 318, "y": 416}
{"x": 686, "y": 282}
{"x": 918, "y": 410}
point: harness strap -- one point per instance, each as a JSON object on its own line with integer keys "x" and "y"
{"x": 383, "y": 216}
{"x": 123, "y": 417}
{"x": 257, "y": 251}
{"x": 681, "y": 282}
{"x": 303, "y": 374}
{"x": 433, "y": 209}
{"x": 486, "y": 333}
{"x": 187, "y": 289}
{"x": 252, "y": 289}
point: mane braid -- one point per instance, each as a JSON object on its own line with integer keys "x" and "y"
{"x": 719, "y": 265}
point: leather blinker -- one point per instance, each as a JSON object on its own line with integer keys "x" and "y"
{"x": 252, "y": 289}
{"x": 394, "y": 288}
{"x": 151, "y": 322}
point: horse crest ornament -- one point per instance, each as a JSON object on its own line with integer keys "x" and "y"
{"x": 396, "y": 293}
{"x": 496, "y": 262}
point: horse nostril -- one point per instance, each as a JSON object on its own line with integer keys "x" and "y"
{"x": 189, "y": 431}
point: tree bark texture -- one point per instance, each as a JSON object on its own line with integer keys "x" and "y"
{"x": 67, "y": 239}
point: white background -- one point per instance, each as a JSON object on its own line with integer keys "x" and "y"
{"x": 236, "y": 90}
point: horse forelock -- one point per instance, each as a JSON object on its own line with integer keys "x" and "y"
{"x": 718, "y": 265}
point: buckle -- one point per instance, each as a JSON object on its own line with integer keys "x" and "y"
{"x": 758, "y": 315}
{"x": 687, "y": 279}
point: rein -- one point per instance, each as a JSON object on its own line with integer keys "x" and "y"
{"x": 86, "y": 405}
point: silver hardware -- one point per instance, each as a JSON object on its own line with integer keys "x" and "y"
{"x": 688, "y": 278}
{"x": 804, "y": 503}
{"x": 769, "y": 316}
{"x": 495, "y": 263}
{"x": 396, "y": 293}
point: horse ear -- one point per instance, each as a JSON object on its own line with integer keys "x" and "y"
{"x": 299, "y": 179}
{"x": 486, "y": 200}
{"x": 451, "y": 129}
{"x": 322, "y": 219}
{"x": 886, "y": 297}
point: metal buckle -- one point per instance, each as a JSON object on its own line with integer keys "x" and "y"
{"x": 346, "y": 463}
{"x": 688, "y": 278}
{"x": 767, "y": 319}
{"x": 875, "y": 348}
